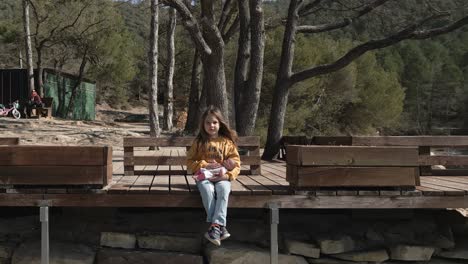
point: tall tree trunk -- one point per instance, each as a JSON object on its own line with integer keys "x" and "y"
{"x": 281, "y": 90}
{"x": 27, "y": 38}
{"x": 153, "y": 72}
{"x": 209, "y": 42}
{"x": 276, "y": 121}
{"x": 243, "y": 55}
{"x": 20, "y": 59}
{"x": 253, "y": 87}
{"x": 169, "y": 98}
{"x": 39, "y": 70}
{"x": 61, "y": 88}
{"x": 71, "y": 101}
{"x": 193, "y": 115}
{"x": 214, "y": 79}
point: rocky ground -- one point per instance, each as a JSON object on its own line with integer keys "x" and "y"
{"x": 103, "y": 131}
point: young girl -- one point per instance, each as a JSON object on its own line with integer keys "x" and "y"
{"x": 213, "y": 148}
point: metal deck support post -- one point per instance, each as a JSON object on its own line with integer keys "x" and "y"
{"x": 274, "y": 221}
{"x": 44, "y": 216}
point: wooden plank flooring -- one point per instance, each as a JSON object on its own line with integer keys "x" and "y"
{"x": 272, "y": 181}
{"x": 175, "y": 190}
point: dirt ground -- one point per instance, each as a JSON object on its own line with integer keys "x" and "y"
{"x": 103, "y": 131}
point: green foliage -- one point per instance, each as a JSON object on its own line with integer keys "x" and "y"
{"x": 413, "y": 87}
{"x": 380, "y": 100}
{"x": 10, "y": 33}
{"x": 345, "y": 102}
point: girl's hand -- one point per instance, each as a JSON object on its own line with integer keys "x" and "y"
{"x": 213, "y": 165}
{"x": 219, "y": 178}
{"x": 229, "y": 164}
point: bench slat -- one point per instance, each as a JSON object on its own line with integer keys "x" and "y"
{"x": 257, "y": 188}
{"x": 432, "y": 141}
{"x": 443, "y": 160}
{"x": 52, "y": 175}
{"x": 171, "y": 160}
{"x": 179, "y": 184}
{"x": 355, "y": 177}
{"x": 9, "y": 141}
{"x": 142, "y": 184}
{"x": 55, "y": 155}
{"x": 161, "y": 182}
{"x": 352, "y": 156}
{"x": 124, "y": 185}
{"x": 179, "y": 141}
{"x": 238, "y": 188}
{"x": 426, "y": 182}
{"x": 137, "y": 157}
{"x": 273, "y": 186}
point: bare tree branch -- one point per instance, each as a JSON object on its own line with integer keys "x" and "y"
{"x": 324, "y": 27}
{"x": 410, "y": 32}
{"x": 306, "y": 9}
{"x": 191, "y": 24}
{"x": 370, "y": 7}
{"x": 51, "y": 33}
{"x": 224, "y": 14}
{"x": 232, "y": 30}
{"x": 347, "y": 21}
{"x": 423, "y": 34}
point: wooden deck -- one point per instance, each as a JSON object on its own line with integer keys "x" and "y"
{"x": 249, "y": 191}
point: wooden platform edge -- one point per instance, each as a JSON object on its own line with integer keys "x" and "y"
{"x": 251, "y": 201}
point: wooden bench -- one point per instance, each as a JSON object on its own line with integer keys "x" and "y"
{"x": 291, "y": 140}
{"x": 9, "y": 141}
{"x": 45, "y": 111}
{"x": 174, "y": 163}
{"x": 23, "y": 165}
{"x": 443, "y": 146}
{"x": 352, "y": 166}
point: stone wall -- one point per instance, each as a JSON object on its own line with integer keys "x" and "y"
{"x": 133, "y": 235}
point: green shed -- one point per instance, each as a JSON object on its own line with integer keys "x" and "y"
{"x": 58, "y": 85}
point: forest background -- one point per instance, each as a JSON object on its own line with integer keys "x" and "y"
{"x": 413, "y": 87}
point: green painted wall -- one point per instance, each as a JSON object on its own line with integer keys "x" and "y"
{"x": 85, "y": 100}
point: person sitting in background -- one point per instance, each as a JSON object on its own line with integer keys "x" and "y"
{"x": 34, "y": 101}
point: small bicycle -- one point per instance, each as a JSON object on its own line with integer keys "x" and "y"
{"x": 13, "y": 110}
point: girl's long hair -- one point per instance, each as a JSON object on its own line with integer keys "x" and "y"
{"x": 224, "y": 129}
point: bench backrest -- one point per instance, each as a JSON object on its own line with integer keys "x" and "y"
{"x": 424, "y": 144}
{"x": 9, "y": 141}
{"x": 291, "y": 140}
{"x": 352, "y": 166}
{"x": 249, "y": 150}
{"x": 55, "y": 165}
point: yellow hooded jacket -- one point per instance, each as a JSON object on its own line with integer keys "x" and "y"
{"x": 217, "y": 149}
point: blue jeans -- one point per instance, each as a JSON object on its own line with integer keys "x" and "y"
{"x": 215, "y": 200}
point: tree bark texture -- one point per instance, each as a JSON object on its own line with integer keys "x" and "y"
{"x": 40, "y": 71}
{"x": 214, "y": 79}
{"x": 193, "y": 115}
{"x": 169, "y": 97}
{"x": 242, "y": 60}
{"x": 252, "y": 88}
{"x": 153, "y": 71}
{"x": 71, "y": 101}
{"x": 27, "y": 35}
{"x": 281, "y": 90}
{"x": 209, "y": 43}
